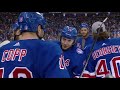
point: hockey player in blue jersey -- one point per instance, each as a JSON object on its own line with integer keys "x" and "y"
{"x": 71, "y": 52}
{"x": 28, "y": 56}
{"x": 104, "y": 61}
{"x": 85, "y": 38}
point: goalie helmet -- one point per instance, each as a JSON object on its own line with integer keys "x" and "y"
{"x": 29, "y": 21}
{"x": 97, "y": 25}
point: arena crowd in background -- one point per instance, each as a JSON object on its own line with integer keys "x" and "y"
{"x": 57, "y": 20}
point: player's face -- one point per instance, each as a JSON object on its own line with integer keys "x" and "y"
{"x": 66, "y": 43}
{"x": 84, "y": 32}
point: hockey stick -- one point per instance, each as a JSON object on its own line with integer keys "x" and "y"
{"x": 92, "y": 47}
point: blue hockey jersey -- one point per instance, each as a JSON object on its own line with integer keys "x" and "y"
{"x": 32, "y": 59}
{"x": 72, "y": 60}
{"x": 104, "y": 60}
{"x": 88, "y": 40}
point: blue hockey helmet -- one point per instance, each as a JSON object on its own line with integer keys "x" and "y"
{"x": 15, "y": 26}
{"x": 29, "y": 21}
{"x": 84, "y": 25}
{"x": 69, "y": 32}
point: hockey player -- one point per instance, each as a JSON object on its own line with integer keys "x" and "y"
{"x": 85, "y": 38}
{"x": 29, "y": 56}
{"x": 105, "y": 58}
{"x": 71, "y": 52}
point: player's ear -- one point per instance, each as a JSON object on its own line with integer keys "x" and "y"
{"x": 40, "y": 31}
{"x": 17, "y": 32}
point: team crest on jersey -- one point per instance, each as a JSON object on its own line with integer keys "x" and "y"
{"x": 67, "y": 62}
{"x": 79, "y": 51}
{"x": 62, "y": 62}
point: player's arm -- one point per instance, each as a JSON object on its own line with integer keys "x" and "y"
{"x": 77, "y": 63}
{"x": 89, "y": 71}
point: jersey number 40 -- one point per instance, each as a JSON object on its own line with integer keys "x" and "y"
{"x": 102, "y": 69}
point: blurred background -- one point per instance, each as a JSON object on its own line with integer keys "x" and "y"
{"x": 57, "y": 20}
